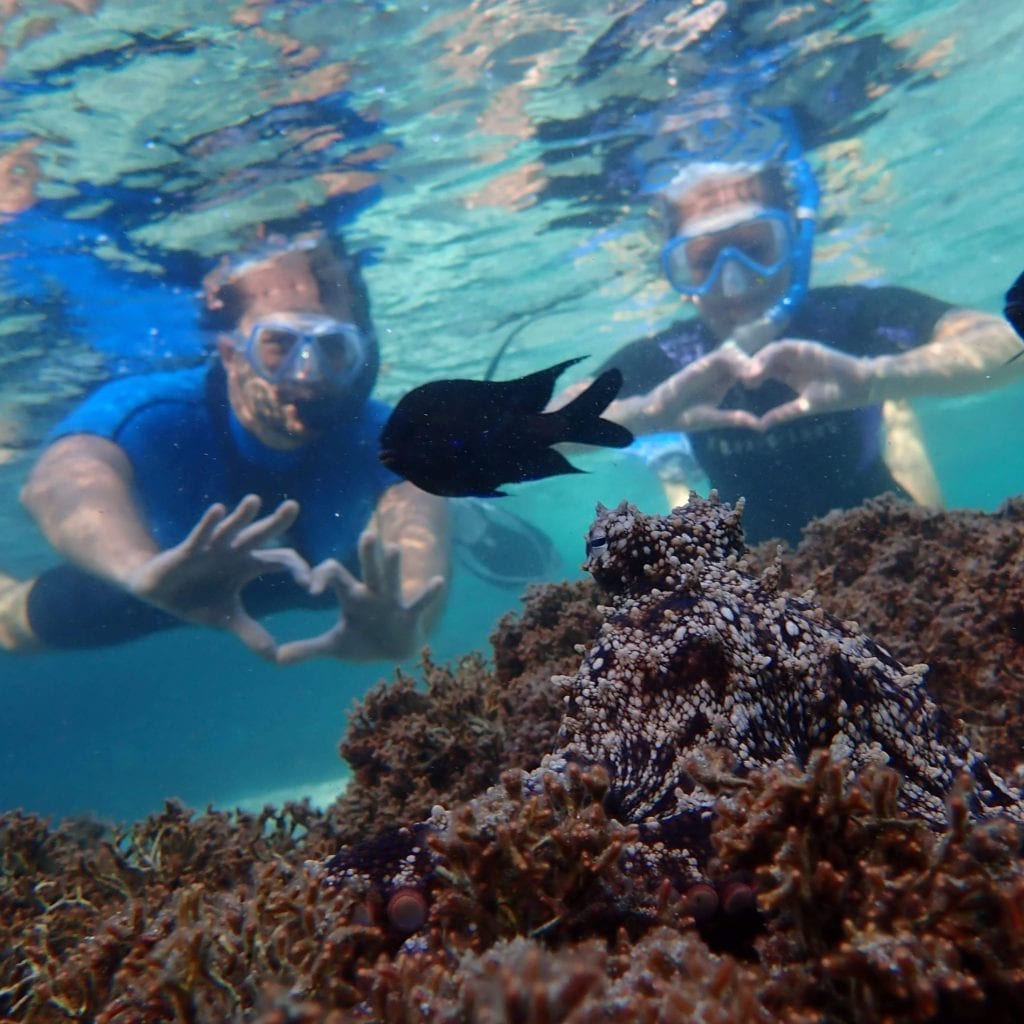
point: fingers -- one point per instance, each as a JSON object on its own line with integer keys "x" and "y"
{"x": 391, "y": 557}
{"x": 252, "y": 634}
{"x": 433, "y": 587}
{"x": 265, "y": 529}
{"x": 331, "y": 573}
{"x": 240, "y": 529}
{"x": 320, "y": 646}
{"x": 796, "y": 409}
{"x": 665, "y": 401}
{"x": 285, "y": 560}
{"x": 236, "y": 520}
{"x": 710, "y": 417}
{"x": 379, "y": 564}
{"x": 773, "y": 361}
{"x": 204, "y": 529}
{"x": 368, "y": 543}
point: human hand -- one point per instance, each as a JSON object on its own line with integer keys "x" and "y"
{"x": 375, "y": 621}
{"x": 200, "y": 580}
{"x": 689, "y": 399}
{"x": 824, "y": 379}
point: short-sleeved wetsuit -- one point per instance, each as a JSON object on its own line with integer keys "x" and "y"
{"x": 802, "y": 469}
{"x": 187, "y": 451}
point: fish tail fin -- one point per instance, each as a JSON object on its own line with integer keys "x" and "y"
{"x": 1014, "y": 310}
{"x": 581, "y": 418}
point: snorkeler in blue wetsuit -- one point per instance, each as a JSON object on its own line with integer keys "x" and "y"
{"x": 794, "y": 397}
{"x": 152, "y": 490}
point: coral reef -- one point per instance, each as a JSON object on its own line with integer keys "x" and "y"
{"x": 589, "y": 889}
{"x": 412, "y": 744}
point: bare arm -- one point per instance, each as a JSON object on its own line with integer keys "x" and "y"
{"x": 80, "y": 494}
{"x": 417, "y": 524}
{"x": 966, "y": 353}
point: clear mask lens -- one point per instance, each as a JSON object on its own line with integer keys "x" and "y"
{"x": 313, "y": 352}
{"x": 736, "y": 280}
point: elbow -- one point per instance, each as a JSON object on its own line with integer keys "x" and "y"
{"x": 33, "y": 492}
{"x": 49, "y": 470}
{"x": 71, "y": 469}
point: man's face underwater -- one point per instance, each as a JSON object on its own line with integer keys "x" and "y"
{"x": 286, "y": 406}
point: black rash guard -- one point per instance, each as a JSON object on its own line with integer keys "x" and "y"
{"x": 802, "y": 469}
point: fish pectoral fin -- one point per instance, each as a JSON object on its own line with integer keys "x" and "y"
{"x": 542, "y": 463}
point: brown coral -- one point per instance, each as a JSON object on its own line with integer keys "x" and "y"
{"x": 412, "y": 744}
{"x": 871, "y": 916}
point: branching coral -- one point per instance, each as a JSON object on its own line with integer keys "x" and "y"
{"x": 446, "y": 738}
{"x": 870, "y": 914}
{"x": 547, "y": 863}
{"x": 411, "y": 747}
{"x": 172, "y": 919}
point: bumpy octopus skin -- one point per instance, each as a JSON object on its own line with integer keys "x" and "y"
{"x": 697, "y": 654}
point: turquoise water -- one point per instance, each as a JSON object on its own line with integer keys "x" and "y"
{"x": 474, "y": 149}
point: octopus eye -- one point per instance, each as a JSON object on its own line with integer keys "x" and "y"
{"x": 702, "y": 901}
{"x": 738, "y": 898}
{"x": 407, "y": 910}
{"x": 596, "y": 541}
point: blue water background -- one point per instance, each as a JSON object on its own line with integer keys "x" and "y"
{"x": 167, "y": 130}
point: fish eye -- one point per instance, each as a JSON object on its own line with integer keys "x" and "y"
{"x": 595, "y": 542}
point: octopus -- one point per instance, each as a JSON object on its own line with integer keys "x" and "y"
{"x": 697, "y": 654}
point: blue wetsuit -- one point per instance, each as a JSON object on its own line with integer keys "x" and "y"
{"x": 802, "y": 469}
{"x": 188, "y": 451}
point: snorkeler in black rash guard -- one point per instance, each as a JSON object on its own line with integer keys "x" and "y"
{"x": 793, "y": 397}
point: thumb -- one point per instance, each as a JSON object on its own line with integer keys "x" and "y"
{"x": 253, "y": 635}
{"x": 302, "y": 650}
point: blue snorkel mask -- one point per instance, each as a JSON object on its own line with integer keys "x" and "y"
{"x": 750, "y": 248}
{"x": 734, "y": 258}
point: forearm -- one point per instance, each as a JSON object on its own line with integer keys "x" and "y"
{"x": 80, "y": 494}
{"x": 417, "y": 523}
{"x": 967, "y": 353}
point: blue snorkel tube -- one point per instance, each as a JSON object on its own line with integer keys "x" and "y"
{"x": 808, "y": 198}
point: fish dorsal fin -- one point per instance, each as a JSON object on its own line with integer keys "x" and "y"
{"x": 533, "y": 392}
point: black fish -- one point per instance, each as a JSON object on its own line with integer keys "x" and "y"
{"x": 462, "y": 438}
{"x": 1014, "y": 311}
